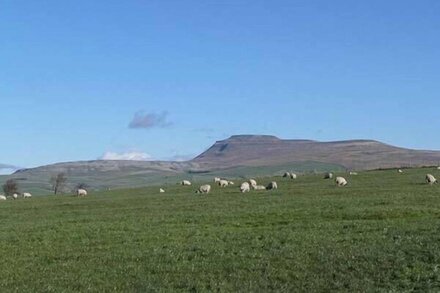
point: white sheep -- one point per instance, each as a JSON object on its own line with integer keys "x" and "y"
{"x": 2, "y": 197}
{"x": 400, "y": 171}
{"x": 27, "y": 195}
{"x": 217, "y": 179}
{"x": 223, "y": 183}
{"x": 231, "y": 183}
{"x": 161, "y": 190}
{"x": 252, "y": 182}
{"x": 286, "y": 175}
{"x": 185, "y": 183}
{"x": 15, "y": 196}
{"x": 204, "y": 189}
{"x": 272, "y": 186}
{"x": 293, "y": 176}
{"x": 430, "y": 179}
{"x": 341, "y": 181}
{"x": 81, "y": 192}
{"x": 245, "y": 187}
{"x": 259, "y": 187}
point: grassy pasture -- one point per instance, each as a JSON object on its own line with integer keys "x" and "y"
{"x": 38, "y": 181}
{"x": 380, "y": 233}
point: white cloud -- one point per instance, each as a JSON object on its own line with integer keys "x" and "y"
{"x": 127, "y": 156}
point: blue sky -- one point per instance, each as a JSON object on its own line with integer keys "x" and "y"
{"x": 73, "y": 75}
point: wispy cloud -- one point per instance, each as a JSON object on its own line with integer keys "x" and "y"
{"x": 126, "y": 156}
{"x": 142, "y": 120}
{"x": 7, "y": 169}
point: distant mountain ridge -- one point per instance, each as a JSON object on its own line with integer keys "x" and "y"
{"x": 264, "y": 150}
{"x": 261, "y": 150}
{"x": 237, "y": 156}
{"x": 85, "y": 167}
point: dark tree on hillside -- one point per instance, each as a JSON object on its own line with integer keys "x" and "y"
{"x": 81, "y": 186}
{"x": 58, "y": 182}
{"x": 10, "y": 187}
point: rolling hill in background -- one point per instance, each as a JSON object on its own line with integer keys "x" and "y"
{"x": 262, "y": 150}
{"x": 238, "y": 156}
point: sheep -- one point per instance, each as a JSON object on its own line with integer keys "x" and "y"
{"x": 204, "y": 189}
{"x": 185, "y": 183}
{"x": 223, "y": 183}
{"x": 15, "y": 196}
{"x": 81, "y": 192}
{"x": 27, "y": 195}
{"x": 293, "y": 176}
{"x": 161, "y": 190}
{"x": 272, "y": 186}
{"x": 245, "y": 187}
{"x": 286, "y": 175}
{"x": 252, "y": 182}
{"x": 430, "y": 179}
{"x": 328, "y": 176}
{"x": 438, "y": 168}
{"x": 217, "y": 179}
{"x": 400, "y": 171}
{"x": 353, "y": 173}
{"x": 259, "y": 187}
{"x": 231, "y": 183}
{"x": 2, "y": 197}
{"x": 341, "y": 181}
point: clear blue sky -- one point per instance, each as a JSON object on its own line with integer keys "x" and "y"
{"x": 73, "y": 74}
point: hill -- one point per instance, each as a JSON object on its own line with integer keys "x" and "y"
{"x": 99, "y": 174}
{"x": 262, "y": 150}
{"x": 236, "y": 157}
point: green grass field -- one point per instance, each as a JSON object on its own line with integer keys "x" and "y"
{"x": 380, "y": 233}
{"x": 37, "y": 181}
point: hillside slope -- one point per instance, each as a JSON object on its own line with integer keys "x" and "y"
{"x": 263, "y": 150}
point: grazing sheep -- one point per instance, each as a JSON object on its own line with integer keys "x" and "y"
{"x": 252, "y": 182}
{"x": 2, "y": 197}
{"x": 231, "y": 183}
{"x": 328, "y": 176}
{"x": 161, "y": 190}
{"x": 286, "y": 175}
{"x": 259, "y": 187}
{"x": 438, "y": 168}
{"x": 185, "y": 183}
{"x": 245, "y": 187}
{"x": 27, "y": 195}
{"x": 15, "y": 196}
{"x": 430, "y": 179}
{"x": 81, "y": 192}
{"x": 400, "y": 171}
{"x": 293, "y": 176}
{"x": 223, "y": 183}
{"x": 217, "y": 179}
{"x": 204, "y": 189}
{"x": 272, "y": 186}
{"x": 353, "y": 173}
{"x": 341, "y": 181}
